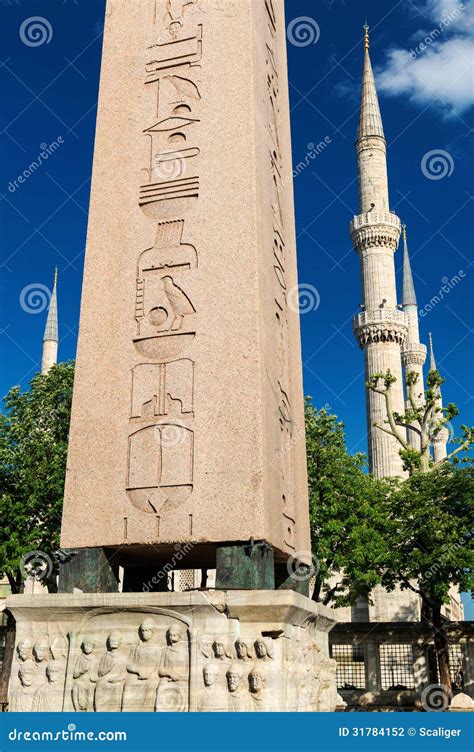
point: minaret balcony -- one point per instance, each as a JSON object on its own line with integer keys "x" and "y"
{"x": 375, "y": 228}
{"x": 381, "y": 325}
{"x": 414, "y": 354}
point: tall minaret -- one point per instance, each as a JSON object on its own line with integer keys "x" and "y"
{"x": 381, "y": 327}
{"x": 413, "y": 353}
{"x": 439, "y": 441}
{"x": 51, "y": 338}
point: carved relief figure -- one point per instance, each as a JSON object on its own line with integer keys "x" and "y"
{"x": 85, "y": 677}
{"x": 172, "y": 694}
{"x": 24, "y": 651}
{"x": 140, "y": 688}
{"x": 264, "y": 649}
{"x": 41, "y": 650}
{"x": 328, "y": 688}
{"x": 160, "y": 466}
{"x": 41, "y": 655}
{"x": 239, "y": 699}
{"x": 243, "y": 651}
{"x": 21, "y": 698}
{"x": 49, "y": 697}
{"x": 112, "y": 673}
{"x": 305, "y": 677}
{"x": 222, "y": 651}
{"x": 210, "y": 700}
{"x": 206, "y": 646}
{"x": 259, "y": 694}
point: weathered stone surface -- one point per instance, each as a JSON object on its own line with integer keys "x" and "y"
{"x": 462, "y": 703}
{"x": 200, "y": 651}
{"x": 187, "y": 420}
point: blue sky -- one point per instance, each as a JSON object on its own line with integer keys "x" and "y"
{"x": 49, "y": 94}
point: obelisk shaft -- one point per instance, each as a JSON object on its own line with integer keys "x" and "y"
{"x": 187, "y": 422}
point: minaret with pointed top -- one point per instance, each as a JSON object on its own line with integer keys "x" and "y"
{"x": 51, "y": 338}
{"x": 413, "y": 353}
{"x": 381, "y": 327}
{"x": 439, "y": 441}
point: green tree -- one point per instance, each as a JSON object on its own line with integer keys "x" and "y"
{"x": 425, "y": 419}
{"x": 33, "y": 448}
{"x": 347, "y": 513}
{"x": 430, "y": 532}
{"x": 431, "y": 512}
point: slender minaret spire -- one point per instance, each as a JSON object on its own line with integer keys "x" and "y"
{"x": 51, "y": 338}
{"x": 432, "y": 355}
{"x": 381, "y": 328}
{"x": 413, "y": 353}
{"x": 439, "y": 441}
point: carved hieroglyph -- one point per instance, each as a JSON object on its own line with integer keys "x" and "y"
{"x": 187, "y": 422}
{"x": 171, "y": 652}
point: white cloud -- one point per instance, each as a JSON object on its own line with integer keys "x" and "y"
{"x": 439, "y": 66}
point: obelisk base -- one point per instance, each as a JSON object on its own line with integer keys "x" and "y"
{"x": 202, "y": 651}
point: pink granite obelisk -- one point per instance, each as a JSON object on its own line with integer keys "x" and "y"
{"x": 187, "y": 422}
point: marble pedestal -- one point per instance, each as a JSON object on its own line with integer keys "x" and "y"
{"x": 197, "y": 651}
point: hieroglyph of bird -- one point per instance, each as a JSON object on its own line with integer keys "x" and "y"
{"x": 179, "y": 303}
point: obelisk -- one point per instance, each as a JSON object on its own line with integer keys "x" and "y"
{"x": 187, "y": 421}
{"x": 187, "y": 441}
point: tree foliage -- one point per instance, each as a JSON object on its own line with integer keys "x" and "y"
{"x": 347, "y": 513}
{"x": 431, "y": 527}
{"x": 424, "y": 418}
{"x": 33, "y": 448}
